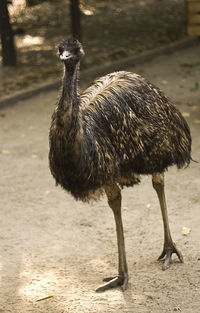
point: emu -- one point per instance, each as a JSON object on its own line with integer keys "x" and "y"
{"x": 118, "y": 129}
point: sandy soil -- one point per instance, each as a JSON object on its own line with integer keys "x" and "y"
{"x": 53, "y": 245}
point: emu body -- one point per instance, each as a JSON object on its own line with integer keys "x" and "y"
{"x": 118, "y": 129}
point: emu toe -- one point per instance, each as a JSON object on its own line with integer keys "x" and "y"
{"x": 168, "y": 250}
{"x": 112, "y": 282}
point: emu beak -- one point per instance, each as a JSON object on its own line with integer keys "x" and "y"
{"x": 65, "y": 55}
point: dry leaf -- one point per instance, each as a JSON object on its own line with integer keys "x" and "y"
{"x": 44, "y": 298}
{"x": 186, "y": 114}
{"x": 185, "y": 231}
{"x": 3, "y": 151}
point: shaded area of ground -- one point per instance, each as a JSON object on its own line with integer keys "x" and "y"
{"x": 53, "y": 245}
{"x": 111, "y": 30}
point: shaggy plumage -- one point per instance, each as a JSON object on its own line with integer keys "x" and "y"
{"x": 117, "y": 129}
{"x": 128, "y": 127}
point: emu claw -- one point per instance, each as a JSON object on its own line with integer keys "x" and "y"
{"x": 112, "y": 282}
{"x": 168, "y": 250}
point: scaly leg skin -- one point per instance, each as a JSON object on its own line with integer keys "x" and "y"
{"x": 114, "y": 200}
{"x": 168, "y": 250}
{"x": 169, "y": 245}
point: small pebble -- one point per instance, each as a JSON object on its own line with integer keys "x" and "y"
{"x": 178, "y": 308}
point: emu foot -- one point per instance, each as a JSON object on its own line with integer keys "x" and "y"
{"x": 112, "y": 282}
{"x": 168, "y": 250}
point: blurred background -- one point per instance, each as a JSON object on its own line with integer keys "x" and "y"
{"x": 109, "y": 30}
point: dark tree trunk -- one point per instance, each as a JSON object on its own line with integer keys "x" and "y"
{"x": 31, "y": 3}
{"x": 7, "y": 40}
{"x": 75, "y": 19}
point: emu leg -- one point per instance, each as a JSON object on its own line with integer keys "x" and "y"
{"x": 114, "y": 200}
{"x": 169, "y": 246}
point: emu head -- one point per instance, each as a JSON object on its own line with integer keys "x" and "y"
{"x": 70, "y": 51}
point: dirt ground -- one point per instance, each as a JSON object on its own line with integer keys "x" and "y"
{"x": 53, "y": 245}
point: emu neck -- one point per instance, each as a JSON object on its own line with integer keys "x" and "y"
{"x": 68, "y": 105}
{"x": 68, "y": 117}
{"x": 69, "y": 90}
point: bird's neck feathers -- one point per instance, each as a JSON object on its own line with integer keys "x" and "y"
{"x": 70, "y": 85}
{"x": 68, "y": 105}
{"x": 68, "y": 112}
